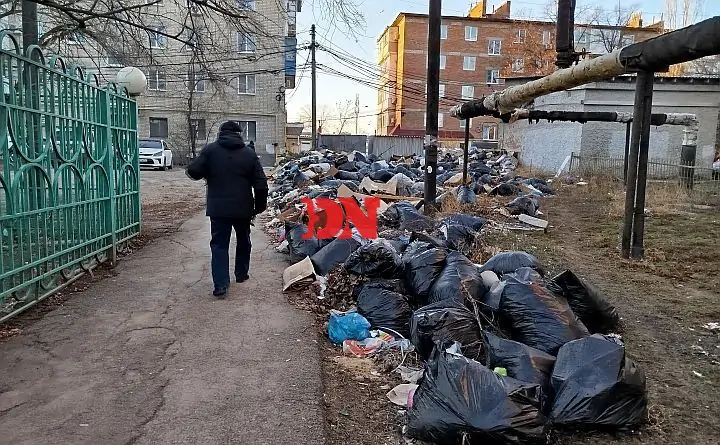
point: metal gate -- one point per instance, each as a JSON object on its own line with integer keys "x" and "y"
{"x": 69, "y": 185}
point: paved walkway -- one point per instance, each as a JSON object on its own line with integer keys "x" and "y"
{"x": 149, "y": 357}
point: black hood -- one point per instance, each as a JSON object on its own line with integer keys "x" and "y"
{"x": 231, "y": 140}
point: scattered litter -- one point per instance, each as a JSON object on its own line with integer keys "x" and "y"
{"x": 697, "y": 374}
{"x": 400, "y": 394}
{"x": 347, "y": 326}
{"x": 713, "y": 326}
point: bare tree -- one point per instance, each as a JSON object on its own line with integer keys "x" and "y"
{"x": 532, "y": 51}
{"x": 330, "y": 119}
{"x": 607, "y": 31}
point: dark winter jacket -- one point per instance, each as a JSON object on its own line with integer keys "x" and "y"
{"x": 233, "y": 172}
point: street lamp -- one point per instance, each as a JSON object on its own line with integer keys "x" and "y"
{"x": 133, "y": 79}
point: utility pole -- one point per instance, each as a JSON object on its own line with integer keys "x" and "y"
{"x": 433, "y": 103}
{"x": 357, "y": 111}
{"x": 313, "y": 105}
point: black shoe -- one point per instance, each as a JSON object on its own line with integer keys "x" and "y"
{"x": 220, "y": 292}
{"x": 242, "y": 279}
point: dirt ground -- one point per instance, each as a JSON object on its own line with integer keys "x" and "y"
{"x": 168, "y": 199}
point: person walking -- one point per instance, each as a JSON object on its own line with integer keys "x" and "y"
{"x": 233, "y": 174}
{"x": 252, "y": 145}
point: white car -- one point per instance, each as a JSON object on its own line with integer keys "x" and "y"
{"x": 154, "y": 153}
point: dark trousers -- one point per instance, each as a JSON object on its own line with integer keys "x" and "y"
{"x": 221, "y": 229}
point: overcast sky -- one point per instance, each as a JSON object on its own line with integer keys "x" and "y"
{"x": 378, "y": 15}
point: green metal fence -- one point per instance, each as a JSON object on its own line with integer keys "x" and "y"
{"x": 69, "y": 185}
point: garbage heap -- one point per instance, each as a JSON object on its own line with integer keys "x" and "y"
{"x": 508, "y": 354}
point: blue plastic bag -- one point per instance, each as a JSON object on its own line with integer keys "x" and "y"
{"x": 347, "y": 326}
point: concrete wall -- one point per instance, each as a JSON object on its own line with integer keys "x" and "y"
{"x": 545, "y": 145}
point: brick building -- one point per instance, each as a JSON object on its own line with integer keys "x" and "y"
{"x": 477, "y": 53}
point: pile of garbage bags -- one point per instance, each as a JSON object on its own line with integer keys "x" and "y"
{"x": 510, "y": 353}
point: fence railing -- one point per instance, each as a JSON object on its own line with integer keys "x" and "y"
{"x": 69, "y": 184}
{"x": 701, "y": 182}
{"x": 660, "y": 169}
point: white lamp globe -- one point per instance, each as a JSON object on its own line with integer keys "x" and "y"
{"x": 133, "y": 79}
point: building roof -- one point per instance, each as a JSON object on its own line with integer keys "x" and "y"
{"x": 653, "y": 27}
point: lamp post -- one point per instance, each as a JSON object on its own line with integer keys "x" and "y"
{"x": 135, "y": 82}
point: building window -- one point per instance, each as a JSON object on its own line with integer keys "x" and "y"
{"x": 471, "y": 33}
{"x": 193, "y": 38}
{"x": 158, "y": 40}
{"x": 249, "y": 132}
{"x": 494, "y": 47}
{"x": 246, "y": 4}
{"x": 489, "y": 132}
{"x": 441, "y": 119}
{"x": 75, "y": 38}
{"x": 245, "y": 43}
{"x": 157, "y": 80}
{"x": 442, "y": 90}
{"x": 113, "y": 60}
{"x": 518, "y": 66}
{"x": 520, "y": 36}
{"x": 627, "y": 39}
{"x": 493, "y": 76}
{"x": 443, "y": 61}
{"x": 582, "y": 36}
{"x": 547, "y": 39}
{"x": 462, "y": 123}
{"x": 469, "y": 63}
{"x": 196, "y": 82}
{"x": 194, "y": 8}
{"x": 246, "y": 84}
{"x": 468, "y": 92}
{"x": 443, "y": 32}
{"x": 158, "y": 127}
{"x": 198, "y": 125}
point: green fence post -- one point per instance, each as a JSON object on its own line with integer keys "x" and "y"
{"x": 107, "y": 97}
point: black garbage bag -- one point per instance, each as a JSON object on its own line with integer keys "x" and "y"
{"x": 494, "y": 294}
{"x": 340, "y": 160}
{"x": 505, "y": 189}
{"x": 385, "y": 310}
{"x": 348, "y": 167}
{"x": 595, "y": 383}
{"x": 298, "y": 247}
{"x": 392, "y": 284}
{"x": 540, "y": 185}
{"x": 379, "y": 165}
{"x": 460, "y": 276}
{"x": 520, "y": 361}
{"x": 508, "y": 262}
{"x": 405, "y": 171}
{"x": 466, "y": 194}
{"x": 381, "y": 175}
{"x": 428, "y": 239}
{"x": 337, "y": 252}
{"x": 404, "y": 216}
{"x": 459, "y": 397}
{"x": 444, "y": 323}
{"x": 459, "y": 237}
{"x": 359, "y": 156}
{"x": 524, "y": 205}
{"x": 321, "y": 193}
{"x": 377, "y": 259}
{"x": 537, "y": 317}
{"x": 486, "y": 179}
{"x": 474, "y": 222}
{"x": 301, "y": 180}
{"x": 596, "y": 313}
{"x": 336, "y": 183}
{"x": 347, "y": 176}
{"x": 422, "y": 268}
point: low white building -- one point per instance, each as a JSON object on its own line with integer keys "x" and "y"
{"x": 545, "y": 145}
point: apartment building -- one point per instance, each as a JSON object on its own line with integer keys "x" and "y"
{"x": 204, "y": 65}
{"x": 477, "y": 53}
